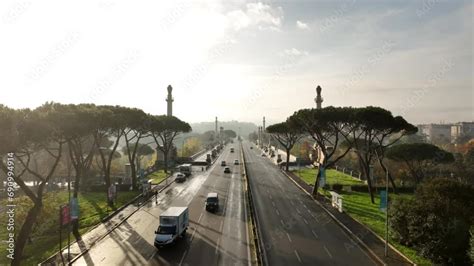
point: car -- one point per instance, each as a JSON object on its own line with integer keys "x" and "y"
{"x": 227, "y": 170}
{"x": 223, "y": 163}
{"x": 212, "y": 202}
{"x": 251, "y": 147}
{"x": 180, "y": 178}
{"x": 263, "y": 154}
{"x": 236, "y": 162}
{"x": 232, "y": 150}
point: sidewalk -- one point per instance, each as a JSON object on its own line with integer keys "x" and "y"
{"x": 103, "y": 229}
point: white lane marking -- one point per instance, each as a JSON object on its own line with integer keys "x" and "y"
{"x": 327, "y": 251}
{"x": 305, "y": 221}
{"x": 221, "y": 226}
{"x": 270, "y": 196}
{"x": 217, "y": 245}
{"x": 297, "y": 256}
{"x": 192, "y": 236}
{"x": 277, "y": 212}
{"x": 289, "y": 238}
{"x": 314, "y": 233}
{"x": 292, "y": 203}
{"x": 281, "y": 221}
{"x": 298, "y": 211}
{"x": 153, "y": 255}
{"x": 273, "y": 203}
{"x": 182, "y": 258}
{"x": 304, "y": 205}
{"x": 200, "y": 216}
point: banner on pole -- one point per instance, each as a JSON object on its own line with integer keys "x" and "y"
{"x": 322, "y": 178}
{"x": 74, "y": 209}
{"x": 65, "y": 215}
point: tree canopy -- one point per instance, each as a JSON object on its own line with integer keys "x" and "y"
{"x": 418, "y": 157}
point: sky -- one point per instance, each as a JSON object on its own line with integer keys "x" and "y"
{"x": 241, "y": 60}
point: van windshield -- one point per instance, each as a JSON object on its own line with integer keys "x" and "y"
{"x": 166, "y": 230}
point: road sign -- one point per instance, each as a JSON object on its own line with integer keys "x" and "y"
{"x": 65, "y": 215}
{"x": 322, "y": 178}
{"x": 383, "y": 200}
{"x": 74, "y": 209}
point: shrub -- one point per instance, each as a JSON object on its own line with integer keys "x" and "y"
{"x": 437, "y": 221}
{"x": 337, "y": 187}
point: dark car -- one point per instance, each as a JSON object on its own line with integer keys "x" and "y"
{"x": 223, "y": 163}
{"x": 227, "y": 170}
{"x": 180, "y": 178}
{"x": 236, "y": 162}
{"x": 212, "y": 202}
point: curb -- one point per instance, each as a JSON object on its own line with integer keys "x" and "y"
{"x": 350, "y": 233}
{"x": 258, "y": 251}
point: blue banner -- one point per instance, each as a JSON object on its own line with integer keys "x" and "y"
{"x": 322, "y": 178}
{"x": 383, "y": 200}
{"x": 74, "y": 209}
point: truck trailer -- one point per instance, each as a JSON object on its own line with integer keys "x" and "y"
{"x": 173, "y": 224}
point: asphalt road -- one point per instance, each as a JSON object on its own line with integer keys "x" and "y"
{"x": 212, "y": 238}
{"x": 294, "y": 229}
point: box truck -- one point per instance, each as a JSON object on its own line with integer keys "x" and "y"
{"x": 173, "y": 224}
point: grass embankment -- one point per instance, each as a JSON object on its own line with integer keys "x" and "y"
{"x": 359, "y": 207}
{"x": 45, "y": 238}
{"x": 157, "y": 176}
{"x": 332, "y": 177}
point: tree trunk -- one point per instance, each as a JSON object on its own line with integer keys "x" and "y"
{"x": 385, "y": 169}
{"x": 77, "y": 180}
{"x": 316, "y": 183}
{"x": 287, "y": 167}
{"x": 165, "y": 157}
{"x": 25, "y": 231}
{"x": 366, "y": 169}
{"x": 134, "y": 174}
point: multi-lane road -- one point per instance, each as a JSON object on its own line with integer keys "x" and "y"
{"x": 294, "y": 230}
{"x": 213, "y": 238}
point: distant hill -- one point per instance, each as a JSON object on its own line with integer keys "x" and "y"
{"x": 245, "y": 127}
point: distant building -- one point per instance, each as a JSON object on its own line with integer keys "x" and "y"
{"x": 462, "y": 129}
{"x": 436, "y": 132}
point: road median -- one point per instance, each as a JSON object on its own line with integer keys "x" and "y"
{"x": 257, "y": 256}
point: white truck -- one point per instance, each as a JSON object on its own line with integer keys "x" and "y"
{"x": 173, "y": 224}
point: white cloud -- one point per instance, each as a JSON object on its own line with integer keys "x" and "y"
{"x": 259, "y": 15}
{"x": 301, "y": 25}
{"x": 293, "y": 52}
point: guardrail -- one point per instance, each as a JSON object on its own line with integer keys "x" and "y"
{"x": 253, "y": 217}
